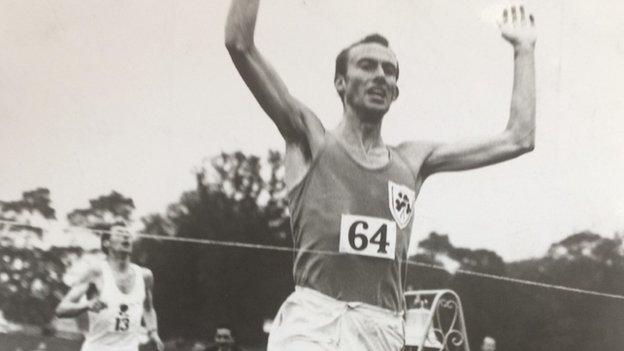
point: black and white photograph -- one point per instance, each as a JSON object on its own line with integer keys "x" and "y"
{"x": 311, "y": 175}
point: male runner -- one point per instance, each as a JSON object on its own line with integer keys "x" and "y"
{"x": 224, "y": 339}
{"x": 116, "y": 294}
{"x": 352, "y": 195}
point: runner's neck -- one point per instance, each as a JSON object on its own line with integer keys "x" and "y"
{"x": 360, "y": 134}
{"x": 119, "y": 262}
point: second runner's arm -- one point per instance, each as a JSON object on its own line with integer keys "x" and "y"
{"x": 149, "y": 313}
{"x": 73, "y": 304}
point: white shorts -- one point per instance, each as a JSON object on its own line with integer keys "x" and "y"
{"x": 311, "y": 321}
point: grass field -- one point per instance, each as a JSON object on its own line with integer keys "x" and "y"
{"x": 12, "y": 342}
{"x": 26, "y": 342}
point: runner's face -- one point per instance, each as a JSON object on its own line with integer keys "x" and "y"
{"x": 223, "y": 337}
{"x": 488, "y": 345}
{"x": 371, "y": 82}
{"x": 121, "y": 241}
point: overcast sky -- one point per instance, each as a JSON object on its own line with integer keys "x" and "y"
{"x": 131, "y": 95}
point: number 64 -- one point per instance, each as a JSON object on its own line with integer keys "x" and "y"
{"x": 359, "y": 241}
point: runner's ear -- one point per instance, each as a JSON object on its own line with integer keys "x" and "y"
{"x": 340, "y": 85}
{"x": 395, "y": 93}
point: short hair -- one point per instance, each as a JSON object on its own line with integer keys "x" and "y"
{"x": 343, "y": 57}
{"x": 116, "y": 228}
{"x": 226, "y": 326}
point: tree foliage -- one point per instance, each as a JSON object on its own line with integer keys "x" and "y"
{"x": 525, "y": 317}
{"x": 234, "y": 201}
{"x": 29, "y": 276}
{"x": 103, "y": 211}
{"x": 31, "y": 283}
{"x": 30, "y": 211}
{"x": 32, "y": 201}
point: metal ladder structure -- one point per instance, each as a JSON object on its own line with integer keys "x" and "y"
{"x": 434, "y": 321}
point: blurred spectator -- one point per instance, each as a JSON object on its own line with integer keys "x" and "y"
{"x": 489, "y": 344}
{"x": 224, "y": 339}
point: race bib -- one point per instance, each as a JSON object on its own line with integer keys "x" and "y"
{"x": 122, "y": 319}
{"x": 367, "y": 236}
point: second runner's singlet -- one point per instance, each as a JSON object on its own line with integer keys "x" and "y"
{"x": 117, "y": 327}
{"x": 361, "y": 215}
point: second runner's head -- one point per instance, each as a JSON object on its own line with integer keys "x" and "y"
{"x": 120, "y": 240}
{"x": 366, "y": 77}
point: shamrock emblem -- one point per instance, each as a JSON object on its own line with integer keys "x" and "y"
{"x": 402, "y": 202}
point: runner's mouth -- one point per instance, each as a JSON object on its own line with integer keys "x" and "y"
{"x": 377, "y": 92}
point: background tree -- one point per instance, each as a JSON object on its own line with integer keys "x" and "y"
{"x": 30, "y": 277}
{"x": 33, "y": 210}
{"x": 583, "y": 260}
{"x": 103, "y": 212}
{"x": 523, "y": 317}
{"x": 235, "y": 200}
{"x": 33, "y": 202}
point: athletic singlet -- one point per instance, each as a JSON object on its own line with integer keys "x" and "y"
{"x": 117, "y": 327}
{"x": 363, "y": 216}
